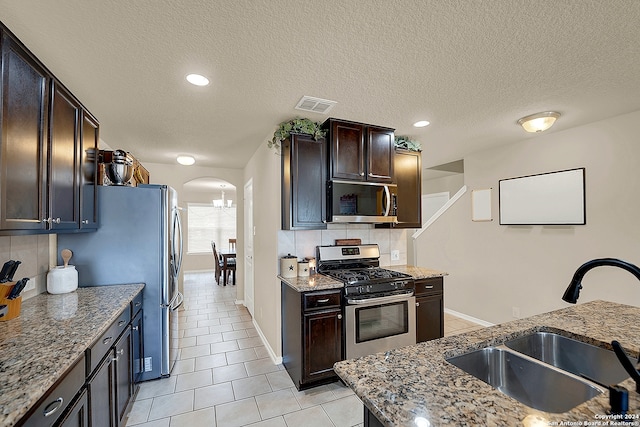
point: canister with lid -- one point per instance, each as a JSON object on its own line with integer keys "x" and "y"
{"x": 289, "y": 266}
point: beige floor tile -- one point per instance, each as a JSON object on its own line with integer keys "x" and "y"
{"x": 139, "y": 411}
{"x": 157, "y": 387}
{"x": 171, "y": 404}
{"x": 209, "y": 339}
{"x": 260, "y": 366}
{"x": 251, "y": 386}
{"x": 224, "y": 346}
{"x": 228, "y": 336}
{"x": 345, "y": 412}
{"x": 196, "y": 351}
{"x": 272, "y": 422}
{"x": 213, "y": 395}
{"x": 202, "y": 418}
{"x": 163, "y": 422}
{"x": 238, "y": 413}
{"x": 183, "y": 366}
{"x": 211, "y": 361}
{"x": 276, "y": 403}
{"x": 250, "y": 342}
{"x": 194, "y": 380}
{"x": 239, "y": 356}
{"x": 279, "y": 380}
{"x": 314, "y": 396}
{"x": 310, "y": 417}
{"x": 229, "y": 373}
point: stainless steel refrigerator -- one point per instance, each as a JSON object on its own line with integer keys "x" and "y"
{"x": 139, "y": 241}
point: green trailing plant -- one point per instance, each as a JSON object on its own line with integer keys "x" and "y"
{"x": 407, "y": 143}
{"x": 297, "y": 125}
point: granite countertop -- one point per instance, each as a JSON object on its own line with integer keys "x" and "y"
{"x": 50, "y": 334}
{"x": 319, "y": 282}
{"x": 415, "y": 383}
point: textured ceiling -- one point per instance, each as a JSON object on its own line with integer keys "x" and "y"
{"x": 470, "y": 67}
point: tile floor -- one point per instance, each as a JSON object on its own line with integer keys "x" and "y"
{"x": 225, "y": 378}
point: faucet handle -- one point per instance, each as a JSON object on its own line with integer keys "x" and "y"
{"x": 627, "y": 364}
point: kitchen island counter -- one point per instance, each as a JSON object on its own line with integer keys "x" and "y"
{"x": 416, "y": 386}
{"x": 51, "y": 333}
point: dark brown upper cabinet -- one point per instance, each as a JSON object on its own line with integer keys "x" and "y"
{"x": 23, "y": 143}
{"x": 48, "y": 146}
{"x": 64, "y": 146}
{"x": 408, "y": 169}
{"x": 89, "y": 137}
{"x": 303, "y": 183}
{"x": 360, "y": 152}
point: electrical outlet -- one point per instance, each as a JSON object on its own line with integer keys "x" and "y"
{"x": 395, "y": 255}
{"x": 515, "y": 312}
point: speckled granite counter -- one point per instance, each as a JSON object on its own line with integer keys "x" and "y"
{"x": 415, "y": 383}
{"x": 51, "y": 333}
{"x": 318, "y": 282}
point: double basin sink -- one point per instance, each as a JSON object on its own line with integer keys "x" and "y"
{"x": 544, "y": 370}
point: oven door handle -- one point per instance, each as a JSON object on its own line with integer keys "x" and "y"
{"x": 391, "y": 298}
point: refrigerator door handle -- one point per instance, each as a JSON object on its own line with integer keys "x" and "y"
{"x": 177, "y": 230}
{"x": 174, "y": 306}
{"x": 171, "y": 303}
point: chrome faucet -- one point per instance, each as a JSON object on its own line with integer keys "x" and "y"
{"x": 573, "y": 292}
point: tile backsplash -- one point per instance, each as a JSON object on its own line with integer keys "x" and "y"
{"x": 302, "y": 243}
{"x": 34, "y": 253}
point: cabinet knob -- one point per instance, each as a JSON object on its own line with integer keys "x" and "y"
{"x": 85, "y": 221}
{"x": 417, "y": 304}
{"x": 339, "y": 316}
{"x": 57, "y": 221}
{"x": 134, "y": 328}
{"x": 361, "y": 173}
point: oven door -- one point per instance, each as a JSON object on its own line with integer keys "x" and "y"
{"x": 379, "y": 324}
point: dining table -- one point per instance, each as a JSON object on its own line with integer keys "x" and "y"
{"x": 226, "y": 256}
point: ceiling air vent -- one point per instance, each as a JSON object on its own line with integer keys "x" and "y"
{"x": 315, "y": 105}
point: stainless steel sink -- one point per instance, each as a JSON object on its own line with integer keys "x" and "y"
{"x": 530, "y": 382}
{"x": 573, "y": 356}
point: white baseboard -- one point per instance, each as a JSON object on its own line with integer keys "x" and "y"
{"x": 240, "y": 302}
{"x": 274, "y": 358}
{"x": 467, "y": 317}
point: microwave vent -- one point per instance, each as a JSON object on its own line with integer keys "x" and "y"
{"x": 315, "y": 105}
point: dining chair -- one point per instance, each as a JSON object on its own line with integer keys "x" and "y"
{"x": 217, "y": 263}
{"x": 232, "y": 244}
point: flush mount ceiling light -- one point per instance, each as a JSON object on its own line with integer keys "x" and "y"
{"x": 186, "y": 160}
{"x": 421, "y": 124}
{"x": 197, "y": 79}
{"x": 538, "y": 122}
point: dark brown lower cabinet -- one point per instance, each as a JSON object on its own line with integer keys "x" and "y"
{"x": 311, "y": 335}
{"x": 123, "y": 375}
{"x": 78, "y": 414}
{"x": 429, "y": 309}
{"x": 100, "y": 389}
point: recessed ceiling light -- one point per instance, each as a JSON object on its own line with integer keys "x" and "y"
{"x": 421, "y": 124}
{"x": 186, "y": 160}
{"x": 197, "y": 79}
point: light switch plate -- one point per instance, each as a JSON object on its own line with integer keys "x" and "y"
{"x": 395, "y": 255}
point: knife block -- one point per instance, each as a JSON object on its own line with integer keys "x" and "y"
{"x": 13, "y": 305}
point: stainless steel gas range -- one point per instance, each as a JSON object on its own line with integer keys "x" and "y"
{"x": 380, "y": 309}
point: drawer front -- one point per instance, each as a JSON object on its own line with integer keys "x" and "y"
{"x": 321, "y": 300}
{"x": 101, "y": 346}
{"x": 429, "y": 286}
{"x": 52, "y": 406}
{"x": 136, "y": 304}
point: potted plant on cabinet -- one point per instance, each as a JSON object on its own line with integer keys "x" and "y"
{"x": 297, "y": 125}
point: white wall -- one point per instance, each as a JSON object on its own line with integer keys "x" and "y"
{"x": 264, "y": 169}
{"x": 494, "y": 268}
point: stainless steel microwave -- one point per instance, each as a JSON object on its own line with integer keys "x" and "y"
{"x": 363, "y": 202}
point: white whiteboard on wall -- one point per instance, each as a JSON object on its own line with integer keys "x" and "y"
{"x": 554, "y": 198}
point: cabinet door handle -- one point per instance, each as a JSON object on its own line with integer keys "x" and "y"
{"x": 339, "y": 316}
{"x": 361, "y": 173}
{"x": 85, "y": 221}
{"x": 138, "y": 304}
{"x": 134, "y": 328}
{"x": 429, "y": 287}
{"x": 57, "y": 221}
{"x": 417, "y": 304}
{"x": 322, "y": 301}
{"x": 52, "y": 407}
{"x": 107, "y": 340}
{"x": 122, "y": 322}
{"x": 118, "y": 354}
